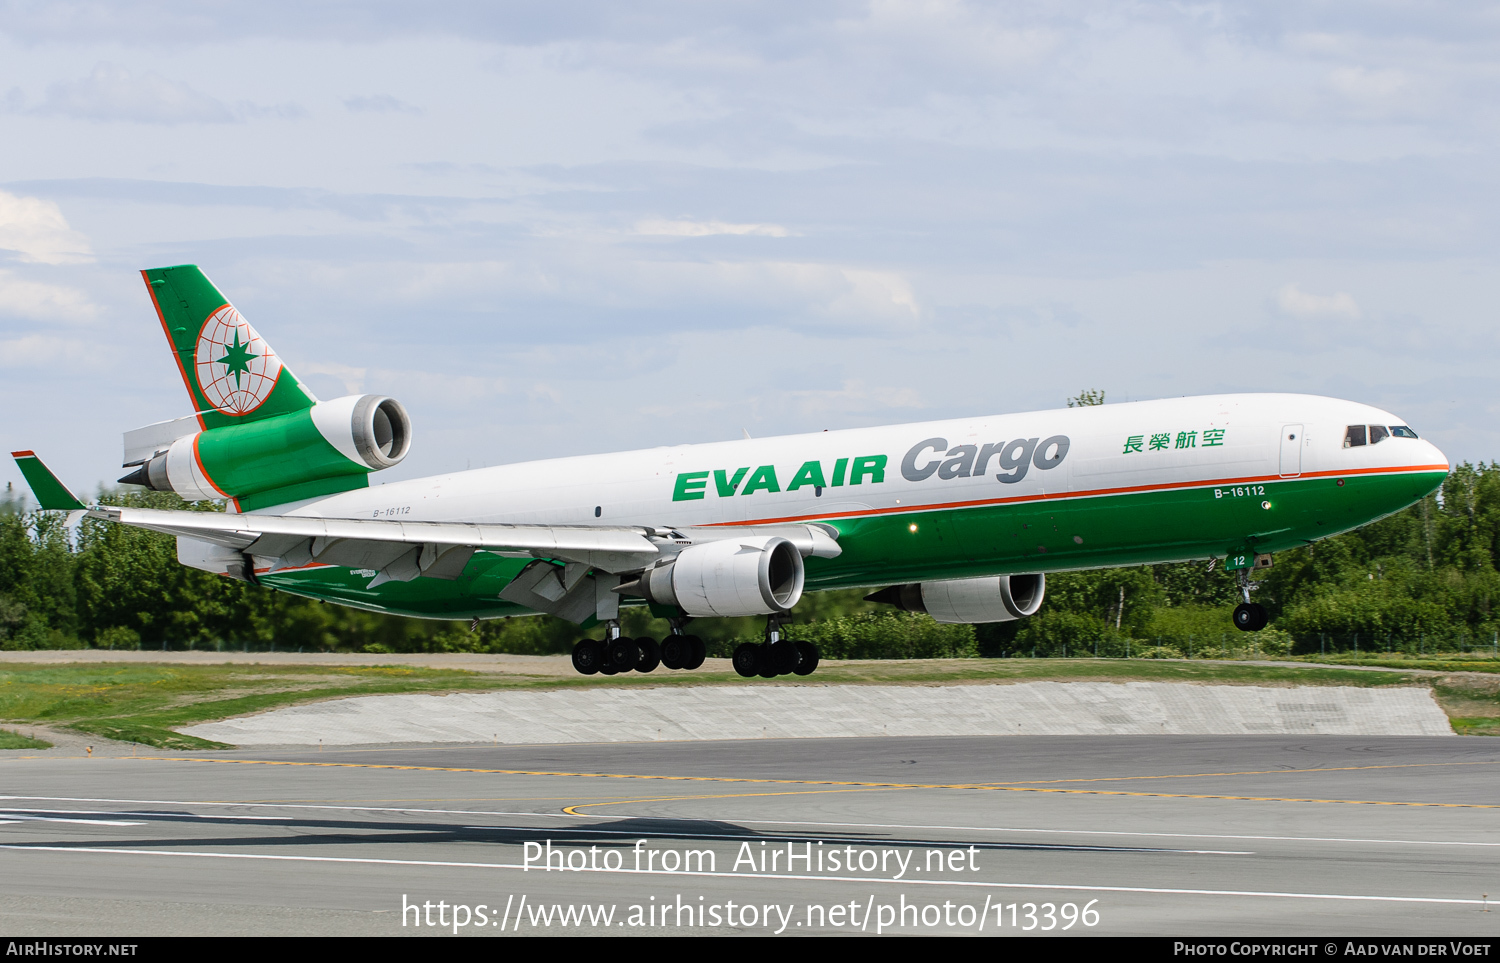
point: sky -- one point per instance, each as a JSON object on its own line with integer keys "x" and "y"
{"x": 562, "y": 228}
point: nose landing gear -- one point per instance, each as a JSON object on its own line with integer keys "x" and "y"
{"x": 1248, "y": 616}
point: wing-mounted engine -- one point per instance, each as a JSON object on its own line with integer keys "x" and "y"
{"x": 328, "y": 447}
{"x": 1003, "y": 598}
{"x": 747, "y": 575}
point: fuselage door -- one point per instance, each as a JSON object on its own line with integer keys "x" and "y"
{"x": 1291, "y": 451}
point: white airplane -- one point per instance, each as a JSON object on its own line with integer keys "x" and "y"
{"x": 961, "y": 519}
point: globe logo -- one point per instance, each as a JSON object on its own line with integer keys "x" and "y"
{"x": 236, "y": 369}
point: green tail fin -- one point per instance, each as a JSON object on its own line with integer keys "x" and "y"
{"x": 50, "y": 493}
{"x": 231, "y": 373}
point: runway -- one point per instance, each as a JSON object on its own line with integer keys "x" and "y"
{"x": 1069, "y": 835}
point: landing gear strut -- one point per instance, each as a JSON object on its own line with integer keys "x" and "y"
{"x": 1248, "y": 616}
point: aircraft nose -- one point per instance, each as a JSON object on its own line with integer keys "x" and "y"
{"x": 1435, "y": 457}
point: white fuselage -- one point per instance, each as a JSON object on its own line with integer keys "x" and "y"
{"x": 1216, "y": 439}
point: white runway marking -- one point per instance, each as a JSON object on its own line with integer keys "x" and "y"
{"x": 22, "y": 814}
{"x": 22, "y": 817}
{"x": 749, "y": 822}
{"x": 882, "y": 841}
{"x": 972, "y": 884}
{"x": 1109, "y": 832}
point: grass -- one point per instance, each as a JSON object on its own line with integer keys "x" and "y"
{"x": 14, "y": 740}
{"x": 1438, "y": 662}
{"x": 145, "y": 703}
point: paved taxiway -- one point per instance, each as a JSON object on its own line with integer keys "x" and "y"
{"x": 1207, "y": 835}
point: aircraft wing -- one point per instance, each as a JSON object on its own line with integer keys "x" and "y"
{"x": 404, "y": 550}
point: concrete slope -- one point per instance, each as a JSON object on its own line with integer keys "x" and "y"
{"x": 754, "y": 712}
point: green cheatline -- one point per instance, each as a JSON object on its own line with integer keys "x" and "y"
{"x": 237, "y": 358}
{"x": 1125, "y": 529}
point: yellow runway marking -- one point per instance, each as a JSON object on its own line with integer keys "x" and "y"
{"x": 1249, "y": 772}
{"x": 991, "y": 787}
{"x": 573, "y": 809}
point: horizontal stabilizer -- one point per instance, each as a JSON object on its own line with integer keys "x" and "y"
{"x": 142, "y": 443}
{"x": 50, "y": 493}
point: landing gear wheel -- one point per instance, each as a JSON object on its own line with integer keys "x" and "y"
{"x": 676, "y": 651}
{"x": 1249, "y": 617}
{"x": 764, "y": 664}
{"x": 607, "y": 667}
{"x": 783, "y": 656}
{"x": 624, "y": 654}
{"x": 588, "y": 656}
{"x": 809, "y": 660}
{"x": 650, "y": 655}
{"x": 746, "y": 660}
{"x": 700, "y": 652}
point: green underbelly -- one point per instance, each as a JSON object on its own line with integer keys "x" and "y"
{"x": 1048, "y": 535}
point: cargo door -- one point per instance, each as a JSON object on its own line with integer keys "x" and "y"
{"x": 1291, "y": 451}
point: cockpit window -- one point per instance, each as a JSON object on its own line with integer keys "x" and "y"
{"x": 1378, "y": 433}
{"x": 1401, "y": 431}
{"x": 1354, "y": 436}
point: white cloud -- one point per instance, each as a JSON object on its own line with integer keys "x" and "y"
{"x": 352, "y": 378}
{"x": 37, "y": 231}
{"x": 39, "y": 350}
{"x": 112, "y": 92}
{"x": 1366, "y": 84}
{"x": 1293, "y": 301}
{"x": 49, "y": 302}
{"x": 687, "y": 228}
{"x": 380, "y": 104}
{"x": 885, "y": 291}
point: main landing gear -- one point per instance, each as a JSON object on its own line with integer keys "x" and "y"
{"x": 1248, "y": 616}
{"x": 615, "y": 653}
{"x": 776, "y": 655}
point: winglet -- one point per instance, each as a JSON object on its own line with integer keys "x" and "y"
{"x": 50, "y": 493}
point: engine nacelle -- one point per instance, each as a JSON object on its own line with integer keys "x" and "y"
{"x": 369, "y": 429}
{"x": 756, "y": 575}
{"x": 1002, "y": 598}
{"x": 300, "y": 454}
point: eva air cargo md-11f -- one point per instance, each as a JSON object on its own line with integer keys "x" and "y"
{"x": 961, "y": 519}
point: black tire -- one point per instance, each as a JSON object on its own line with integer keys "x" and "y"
{"x": 700, "y": 652}
{"x": 746, "y": 660}
{"x": 783, "y": 656}
{"x": 650, "y": 655}
{"x": 624, "y": 654}
{"x": 588, "y": 656}
{"x": 765, "y": 662}
{"x": 607, "y": 667}
{"x": 1249, "y": 617}
{"x": 809, "y": 660}
{"x": 676, "y": 651}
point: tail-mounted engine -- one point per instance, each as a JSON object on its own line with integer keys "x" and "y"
{"x": 1003, "y": 598}
{"x": 329, "y": 447}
